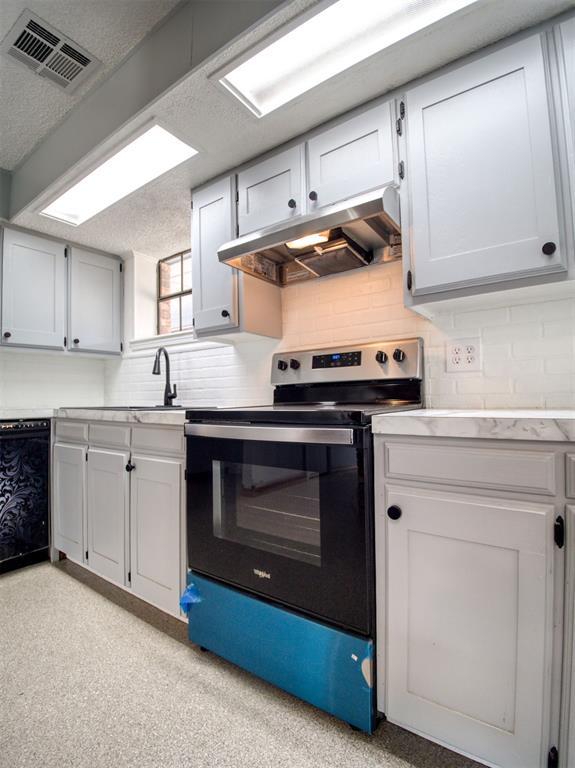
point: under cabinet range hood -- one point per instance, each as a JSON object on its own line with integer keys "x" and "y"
{"x": 348, "y": 235}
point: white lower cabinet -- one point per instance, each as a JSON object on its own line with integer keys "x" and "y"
{"x": 107, "y": 507}
{"x": 155, "y": 535}
{"x": 121, "y": 513}
{"x": 69, "y": 481}
{"x": 469, "y": 622}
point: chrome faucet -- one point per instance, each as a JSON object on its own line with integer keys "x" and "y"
{"x": 169, "y": 396}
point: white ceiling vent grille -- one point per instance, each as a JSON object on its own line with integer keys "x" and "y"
{"x": 48, "y": 52}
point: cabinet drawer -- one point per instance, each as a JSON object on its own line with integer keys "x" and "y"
{"x": 72, "y": 431}
{"x": 570, "y": 475}
{"x": 507, "y": 470}
{"x": 108, "y": 434}
{"x": 158, "y": 440}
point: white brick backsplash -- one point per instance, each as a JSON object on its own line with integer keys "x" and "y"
{"x": 30, "y": 379}
{"x": 528, "y": 350}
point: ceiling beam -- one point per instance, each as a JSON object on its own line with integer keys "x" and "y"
{"x": 183, "y": 41}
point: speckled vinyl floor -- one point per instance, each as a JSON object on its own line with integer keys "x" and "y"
{"x": 90, "y": 677}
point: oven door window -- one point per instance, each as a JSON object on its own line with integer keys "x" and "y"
{"x": 274, "y": 509}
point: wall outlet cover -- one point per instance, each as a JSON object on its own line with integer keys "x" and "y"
{"x": 463, "y": 355}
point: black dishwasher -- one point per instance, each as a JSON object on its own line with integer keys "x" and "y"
{"x": 24, "y": 495}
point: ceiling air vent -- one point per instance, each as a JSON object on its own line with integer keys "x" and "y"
{"x": 48, "y": 52}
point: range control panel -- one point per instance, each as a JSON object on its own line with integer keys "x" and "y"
{"x": 21, "y": 426}
{"x": 336, "y": 359}
{"x": 397, "y": 359}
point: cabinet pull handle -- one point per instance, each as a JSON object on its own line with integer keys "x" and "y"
{"x": 313, "y": 195}
{"x": 292, "y": 203}
{"x": 76, "y": 341}
{"x": 130, "y": 467}
{"x": 225, "y": 313}
{"x": 7, "y": 334}
{"x": 549, "y": 248}
{"x": 409, "y": 280}
{"x": 394, "y": 512}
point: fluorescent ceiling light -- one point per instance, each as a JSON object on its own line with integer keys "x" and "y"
{"x": 307, "y": 240}
{"x": 143, "y": 159}
{"x": 331, "y": 41}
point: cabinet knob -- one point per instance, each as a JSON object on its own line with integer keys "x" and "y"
{"x": 225, "y": 313}
{"x": 76, "y": 341}
{"x": 130, "y": 467}
{"x": 394, "y": 512}
{"x": 292, "y": 203}
{"x": 549, "y": 248}
{"x": 313, "y": 195}
{"x": 7, "y": 334}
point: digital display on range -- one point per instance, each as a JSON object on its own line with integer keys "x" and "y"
{"x": 336, "y": 360}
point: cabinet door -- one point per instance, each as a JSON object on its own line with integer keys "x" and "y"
{"x": 480, "y": 170}
{"x": 470, "y": 622}
{"x": 95, "y": 302}
{"x": 69, "y": 479}
{"x": 33, "y": 290}
{"x": 215, "y": 285}
{"x": 107, "y": 502}
{"x": 271, "y": 191}
{"x": 155, "y": 531}
{"x": 567, "y": 47}
{"x": 354, "y": 157}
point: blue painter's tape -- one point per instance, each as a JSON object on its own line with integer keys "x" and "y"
{"x": 190, "y": 596}
{"x": 327, "y": 667}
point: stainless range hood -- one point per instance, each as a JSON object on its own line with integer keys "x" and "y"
{"x": 348, "y": 235}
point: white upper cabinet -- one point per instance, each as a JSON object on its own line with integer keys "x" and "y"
{"x": 355, "y": 156}
{"x": 480, "y": 171}
{"x": 33, "y": 290}
{"x": 566, "y": 33}
{"x": 95, "y": 302}
{"x": 271, "y": 191}
{"x": 470, "y": 622}
{"x": 215, "y": 285}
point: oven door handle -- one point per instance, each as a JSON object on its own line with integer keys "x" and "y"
{"x": 322, "y": 435}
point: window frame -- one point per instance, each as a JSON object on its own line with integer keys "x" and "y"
{"x": 175, "y": 295}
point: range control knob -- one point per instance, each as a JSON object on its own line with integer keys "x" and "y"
{"x": 398, "y": 355}
{"x": 282, "y": 365}
{"x": 294, "y": 364}
{"x": 381, "y": 356}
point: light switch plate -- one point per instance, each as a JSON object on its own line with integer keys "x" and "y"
{"x": 463, "y": 355}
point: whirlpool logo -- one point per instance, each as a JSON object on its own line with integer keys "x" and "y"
{"x": 261, "y": 574}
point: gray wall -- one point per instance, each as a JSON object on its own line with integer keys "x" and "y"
{"x": 5, "y": 184}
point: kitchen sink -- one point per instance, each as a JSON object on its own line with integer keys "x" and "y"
{"x": 131, "y": 408}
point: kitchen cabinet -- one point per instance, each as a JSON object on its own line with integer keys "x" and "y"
{"x": 95, "y": 302}
{"x": 215, "y": 293}
{"x": 355, "y": 156}
{"x": 224, "y": 300}
{"x": 480, "y": 169}
{"x": 470, "y": 582}
{"x": 566, "y": 46}
{"x": 271, "y": 191}
{"x": 155, "y": 504}
{"x": 33, "y": 290}
{"x": 126, "y": 526}
{"x": 107, "y": 513}
{"x": 69, "y": 488}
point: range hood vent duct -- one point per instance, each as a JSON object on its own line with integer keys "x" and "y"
{"x": 48, "y": 52}
{"x": 340, "y": 237}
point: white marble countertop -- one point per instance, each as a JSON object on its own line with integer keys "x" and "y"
{"x": 555, "y": 426}
{"x": 151, "y": 416}
{"x": 10, "y": 414}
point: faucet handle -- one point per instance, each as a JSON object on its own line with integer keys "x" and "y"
{"x": 174, "y": 393}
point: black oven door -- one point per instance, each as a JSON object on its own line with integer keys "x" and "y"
{"x": 285, "y": 512}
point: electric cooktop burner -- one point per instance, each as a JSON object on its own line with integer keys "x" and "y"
{"x": 343, "y": 385}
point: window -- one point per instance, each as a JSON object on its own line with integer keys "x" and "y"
{"x": 175, "y": 293}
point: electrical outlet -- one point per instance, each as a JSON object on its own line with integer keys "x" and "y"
{"x": 463, "y": 355}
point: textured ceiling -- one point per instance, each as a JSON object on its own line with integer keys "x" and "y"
{"x": 31, "y": 105}
{"x": 155, "y": 219}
